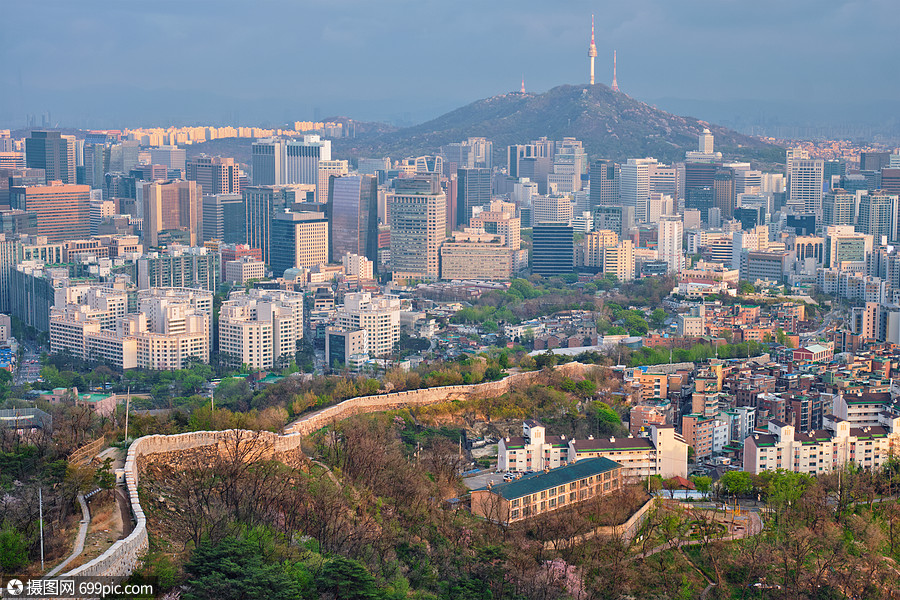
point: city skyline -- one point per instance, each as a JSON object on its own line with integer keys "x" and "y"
{"x": 81, "y": 70}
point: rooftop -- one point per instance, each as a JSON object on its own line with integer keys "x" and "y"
{"x": 537, "y": 482}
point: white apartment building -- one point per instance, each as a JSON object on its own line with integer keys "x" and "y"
{"x": 171, "y": 328}
{"x": 671, "y": 233}
{"x": 379, "y": 316}
{"x": 781, "y": 447}
{"x": 663, "y": 453}
{"x": 260, "y": 327}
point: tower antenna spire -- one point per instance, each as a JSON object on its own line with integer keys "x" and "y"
{"x": 615, "y": 84}
{"x": 592, "y": 50}
{"x": 523, "y": 83}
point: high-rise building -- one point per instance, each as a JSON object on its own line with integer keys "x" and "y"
{"x": 418, "y": 211}
{"x": 634, "y": 185}
{"x": 499, "y": 217}
{"x": 877, "y": 216}
{"x": 474, "y": 254}
{"x": 553, "y": 249}
{"x": 267, "y": 162}
{"x": 594, "y": 244}
{"x": 179, "y": 266}
{"x": 705, "y": 144}
{"x": 301, "y": 159}
{"x": 619, "y": 219}
{"x": 53, "y": 152}
{"x": 551, "y": 209}
{"x": 474, "y": 153}
{"x": 670, "y": 243}
{"x": 172, "y": 157}
{"x": 299, "y": 239}
{"x": 379, "y": 316}
{"x": 723, "y": 187}
{"x": 214, "y": 174}
{"x": 353, "y": 216}
{"x": 604, "y": 183}
{"x": 327, "y": 169}
{"x": 261, "y": 328}
{"x": 63, "y": 211}
{"x": 618, "y": 260}
{"x": 172, "y": 213}
{"x": 473, "y": 189}
{"x": 838, "y": 208}
{"x": 261, "y": 204}
{"x": 806, "y": 186}
{"x": 224, "y": 218}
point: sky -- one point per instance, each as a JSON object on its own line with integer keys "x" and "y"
{"x": 100, "y": 63}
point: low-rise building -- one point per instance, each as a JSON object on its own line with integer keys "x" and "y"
{"x": 547, "y": 490}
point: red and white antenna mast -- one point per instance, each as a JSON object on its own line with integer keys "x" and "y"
{"x": 592, "y": 50}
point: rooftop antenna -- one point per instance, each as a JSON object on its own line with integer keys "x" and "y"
{"x": 523, "y": 84}
{"x": 615, "y": 85}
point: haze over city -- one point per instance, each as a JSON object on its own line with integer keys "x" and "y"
{"x": 116, "y": 64}
{"x": 496, "y": 300}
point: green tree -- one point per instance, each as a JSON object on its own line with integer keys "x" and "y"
{"x": 235, "y": 569}
{"x": 736, "y": 483}
{"x": 745, "y": 287}
{"x": 345, "y": 579}
{"x": 657, "y": 318}
{"x": 13, "y": 549}
{"x": 702, "y": 483}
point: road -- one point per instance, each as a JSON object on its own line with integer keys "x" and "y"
{"x": 29, "y": 370}
{"x": 481, "y": 480}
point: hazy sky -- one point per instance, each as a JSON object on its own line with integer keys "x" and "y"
{"x": 102, "y": 63}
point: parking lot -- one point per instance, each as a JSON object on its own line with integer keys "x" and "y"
{"x": 482, "y": 479}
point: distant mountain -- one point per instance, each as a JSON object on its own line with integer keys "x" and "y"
{"x": 610, "y": 124}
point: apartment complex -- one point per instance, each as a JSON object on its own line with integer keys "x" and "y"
{"x": 663, "y": 453}
{"x": 379, "y": 316}
{"x": 260, "y": 328}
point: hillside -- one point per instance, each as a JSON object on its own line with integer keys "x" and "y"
{"x": 610, "y": 124}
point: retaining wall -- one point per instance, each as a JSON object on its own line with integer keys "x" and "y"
{"x": 122, "y": 557}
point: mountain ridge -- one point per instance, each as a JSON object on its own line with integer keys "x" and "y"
{"x": 610, "y": 124}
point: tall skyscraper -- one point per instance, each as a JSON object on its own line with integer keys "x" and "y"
{"x": 806, "y": 185}
{"x": 671, "y": 233}
{"x": 214, "y": 174}
{"x": 604, "y": 183}
{"x": 261, "y": 204}
{"x": 267, "y": 162}
{"x": 301, "y": 159}
{"x": 838, "y": 208}
{"x": 723, "y": 186}
{"x": 353, "y": 215}
{"x": 53, "y": 152}
{"x": 327, "y": 168}
{"x": 63, "y": 211}
{"x": 473, "y": 189}
{"x": 172, "y": 213}
{"x": 634, "y": 185}
{"x": 418, "y": 211}
{"x": 299, "y": 239}
{"x": 224, "y": 218}
{"x": 877, "y": 216}
{"x": 553, "y": 249}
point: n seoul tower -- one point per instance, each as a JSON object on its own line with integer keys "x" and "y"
{"x": 592, "y": 50}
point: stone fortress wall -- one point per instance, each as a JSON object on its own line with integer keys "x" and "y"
{"x": 121, "y": 558}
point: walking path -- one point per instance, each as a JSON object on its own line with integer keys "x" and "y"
{"x": 79, "y": 541}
